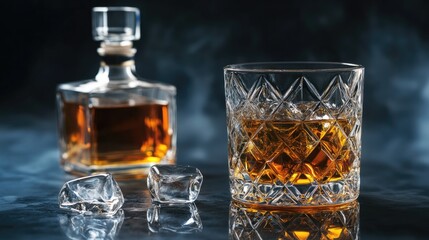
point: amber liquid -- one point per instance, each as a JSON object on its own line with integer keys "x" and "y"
{"x": 116, "y": 135}
{"x": 298, "y": 152}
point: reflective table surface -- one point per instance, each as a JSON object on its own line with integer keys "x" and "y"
{"x": 394, "y": 203}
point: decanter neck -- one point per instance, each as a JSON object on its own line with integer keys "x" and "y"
{"x": 117, "y": 62}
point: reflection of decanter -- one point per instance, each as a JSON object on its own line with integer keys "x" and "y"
{"x": 91, "y": 226}
{"x": 339, "y": 222}
{"x": 116, "y": 122}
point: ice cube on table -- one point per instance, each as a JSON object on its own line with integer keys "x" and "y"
{"x": 174, "y": 183}
{"x": 98, "y": 194}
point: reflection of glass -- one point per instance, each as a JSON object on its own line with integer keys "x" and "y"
{"x": 294, "y": 132}
{"x": 91, "y": 226}
{"x": 177, "y": 218}
{"x": 341, "y": 222}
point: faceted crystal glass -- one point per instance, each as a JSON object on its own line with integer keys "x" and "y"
{"x": 294, "y": 132}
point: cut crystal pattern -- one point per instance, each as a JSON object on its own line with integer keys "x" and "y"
{"x": 331, "y": 223}
{"x": 294, "y": 141}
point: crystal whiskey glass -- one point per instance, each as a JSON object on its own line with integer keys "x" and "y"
{"x": 117, "y": 122}
{"x": 294, "y": 132}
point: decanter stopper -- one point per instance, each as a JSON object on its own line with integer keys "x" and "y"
{"x": 116, "y": 25}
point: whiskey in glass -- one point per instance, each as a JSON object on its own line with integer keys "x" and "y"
{"x": 294, "y": 132}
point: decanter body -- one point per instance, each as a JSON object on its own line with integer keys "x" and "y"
{"x": 116, "y": 122}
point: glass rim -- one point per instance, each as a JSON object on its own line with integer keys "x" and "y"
{"x": 293, "y": 66}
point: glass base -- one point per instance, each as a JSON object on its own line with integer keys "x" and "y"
{"x": 277, "y": 194}
{"x": 339, "y": 222}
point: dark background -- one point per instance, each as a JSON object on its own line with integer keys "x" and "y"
{"x": 187, "y": 43}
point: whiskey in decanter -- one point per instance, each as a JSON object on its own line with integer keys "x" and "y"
{"x": 117, "y": 122}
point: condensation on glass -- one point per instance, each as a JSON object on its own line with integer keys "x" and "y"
{"x": 294, "y": 132}
{"x": 116, "y": 122}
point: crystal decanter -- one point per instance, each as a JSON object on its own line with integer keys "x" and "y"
{"x": 117, "y": 122}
